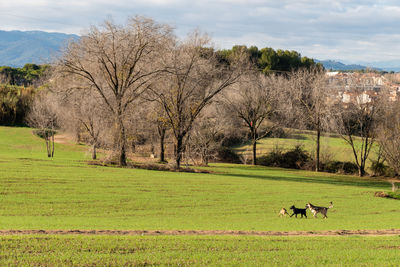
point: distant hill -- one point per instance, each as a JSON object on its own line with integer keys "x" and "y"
{"x": 20, "y": 47}
{"x": 336, "y": 65}
{"x": 388, "y": 65}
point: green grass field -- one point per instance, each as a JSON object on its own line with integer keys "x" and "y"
{"x": 198, "y": 251}
{"x": 66, "y": 193}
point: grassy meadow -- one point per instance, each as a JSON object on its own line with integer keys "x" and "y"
{"x": 66, "y": 193}
{"x": 198, "y": 251}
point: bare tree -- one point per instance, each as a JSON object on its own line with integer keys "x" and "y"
{"x": 157, "y": 118}
{"x": 42, "y": 116}
{"x": 252, "y": 101}
{"x": 82, "y": 110}
{"x": 388, "y": 135}
{"x": 193, "y": 78}
{"x": 118, "y": 62}
{"x": 357, "y": 122}
{"x": 308, "y": 96}
{"x": 205, "y": 136}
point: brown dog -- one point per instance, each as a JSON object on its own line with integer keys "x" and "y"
{"x": 283, "y": 212}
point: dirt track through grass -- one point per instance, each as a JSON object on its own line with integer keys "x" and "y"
{"x": 205, "y": 232}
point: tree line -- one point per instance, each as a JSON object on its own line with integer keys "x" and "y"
{"x": 28, "y": 75}
{"x": 268, "y": 60}
{"x": 17, "y": 89}
{"x": 121, "y": 83}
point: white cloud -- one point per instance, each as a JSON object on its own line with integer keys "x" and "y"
{"x": 337, "y": 29}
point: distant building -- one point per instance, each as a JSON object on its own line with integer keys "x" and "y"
{"x": 360, "y": 88}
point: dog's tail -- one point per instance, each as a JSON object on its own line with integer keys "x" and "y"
{"x": 331, "y": 205}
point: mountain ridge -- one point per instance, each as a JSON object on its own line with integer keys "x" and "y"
{"x": 18, "y": 48}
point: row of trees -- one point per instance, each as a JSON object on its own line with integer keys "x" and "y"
{"x": 307, "y": 99}
{"x": 269, "y": 60}
{"x": 102, "y": 79}
{"x": 120, "y": 80}
{"x": 113, "y": 68}
{"x": 15, "y": 102}
{"x": 28, "y": 75}
{"x": 17, "y": 90}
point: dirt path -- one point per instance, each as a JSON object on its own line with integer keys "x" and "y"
{"x": 204, "y": 232}
{"x": 62, "y": 138}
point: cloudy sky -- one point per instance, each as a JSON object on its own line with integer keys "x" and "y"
{"x": 347, "y": 30}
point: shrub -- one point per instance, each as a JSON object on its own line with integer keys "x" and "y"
{"x": 15, "y": 103}
{"x": 44, "y": 133}
{"x": 380, "y": 169}
{"x": 233, "y": 138}
{"x": 277, "y": 133}
{"x": 340, "y": 167}
{"x": 293, "y": 159}
{"x": 228, "y": 155}
{"x": 394, "y": 195}
{"x": 272, "y": 159}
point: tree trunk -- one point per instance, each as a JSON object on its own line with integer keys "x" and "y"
{"x": 179, "y": 150}
{"x": 52, "y": 140}
{"x": 77, "y": 134}
{"x": 47, "y": 140}
{"x": 317, "y": 168}
{"x": 162, "y": 147}
{"x": 94, "y": 155}
{"x": 122, "y": 155}
{"x": 121, "y": 143}
{"x": 361, "y": 171}
{"x": 204, "y": 156}
{"x": 205, "y": 159}
{"x": 254, "y": 151}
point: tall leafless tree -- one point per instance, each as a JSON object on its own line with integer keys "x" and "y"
{"x": 118, "y": 62}
{"x": 357, "y": 123}
{"x": 308, "y": 96}
{"x": 158, "y": 119}
{"x": 193, "y": 78}
{"x": 206, "y": 136}
{"x": 388, "y": 134}
{"x": 253, "y": 100}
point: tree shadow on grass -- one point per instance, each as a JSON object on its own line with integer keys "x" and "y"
{"x": 291, "y": 176}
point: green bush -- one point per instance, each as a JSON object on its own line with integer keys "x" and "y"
{"x": 277, "y": 133}
{"x": 228, "y": 155}
{"x": 44, "y": 133}
{"x": 293, "y": 159}
{"x": 272, "y": 159}
{"x": 340, "y": 167}
{"x": 380, "y": 169}
{"x": 395, "y": 195}
{"x": 14, "y": 104}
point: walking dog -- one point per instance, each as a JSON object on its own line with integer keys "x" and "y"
{"x": 298, "y": 211}
{"x": 283, "y": 212}
{"x": 315, "y": 209}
